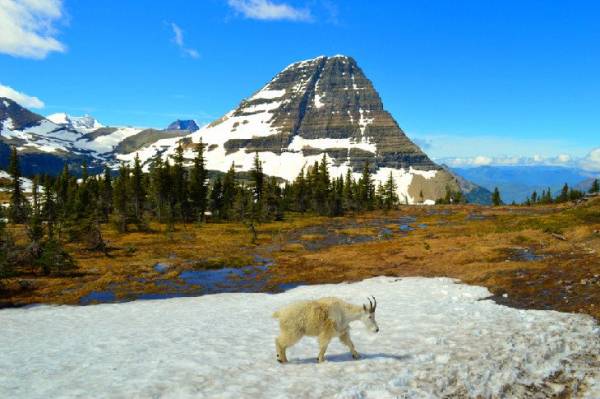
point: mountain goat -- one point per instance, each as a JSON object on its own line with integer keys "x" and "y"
{"x": 324, "y": 318}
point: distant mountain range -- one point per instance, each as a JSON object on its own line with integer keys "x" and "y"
{"x": 516, "y": 183}
{"x": 323, "y": 106}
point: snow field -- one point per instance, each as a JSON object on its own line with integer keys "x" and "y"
{"x": 437, "y": 338}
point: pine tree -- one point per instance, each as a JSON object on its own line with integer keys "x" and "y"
{"x": 300, "y": 193}
{"x": 138, "y": 190}
{"x": 228, "y": 193}
{"x": 595, "y": 189}
{"x": 258, "y": 178}
{"x": 17, "y": 212}
{"x": 49, "y": 212}
{"x": 180, "y": 202}
{"x": 564, "y": 194}
{"x": 366, "y": 188}
{"x": 121, "y": 196}
{"x": 534, "y": 197}
{"x": 349, "y": 190}
{"x": 216, "y": 198}
{"x": 496, "y": 199}
{"x": 199, "y": 184}
{"x": 106, "y": 194}
{"x": 390, "y": 197}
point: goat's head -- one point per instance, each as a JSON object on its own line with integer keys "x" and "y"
{"x": 368, "y": 316}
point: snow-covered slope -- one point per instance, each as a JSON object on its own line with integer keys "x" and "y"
{"x": 84, "y": 124}
{"x": 437, "y": 339}
{"x": 321, "y": 106}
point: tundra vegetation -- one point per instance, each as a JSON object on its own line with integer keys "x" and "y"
{"x": 94, "y": 232}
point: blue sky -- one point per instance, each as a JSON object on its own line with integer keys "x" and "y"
{"x": 466, "y": 79}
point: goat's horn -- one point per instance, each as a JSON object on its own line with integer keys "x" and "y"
{"x": 370, "y": 304}
{"x": 375, "y": 304}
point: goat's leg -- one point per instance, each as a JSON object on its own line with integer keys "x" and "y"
{"x": 345, "y": 339}
{"x": 283, "y": 342}
{"x": 324, "y": 340}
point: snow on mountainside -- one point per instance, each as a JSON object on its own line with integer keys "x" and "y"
{"x": 194, "y": 347}
{"x": 324, "y": 106}
{"x": 321, "y": 106}
{"x": 84, "y": 124}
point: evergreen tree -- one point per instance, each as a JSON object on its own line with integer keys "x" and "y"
{"x": 49, "y": 209}
{"x": 121, "y": 196}
{"x": 534, "y": 197}
{"x": 17, "y": 212}
{"x": 595, "y": 189}
{"x": 106, "y": 194}
{"x": 216, "y": 198}
{"x": 366, "y": 188}
{"x": 180, "y": 204}
{"x": 390, "y": 197}
{"x": 228, "y": 193}
{"x": 496, "y": 199}
{"x": 138, "y": 190}
{"x": 258, "y": 178}
{"x": 199, "y": 184}
{"x": 564, "y": 194}
{"x": 349, "y": 191}
{"x": 300, "y": 193}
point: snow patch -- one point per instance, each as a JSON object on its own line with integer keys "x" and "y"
{"x": 437, "y": 339}
{"x": 268, "y": 94}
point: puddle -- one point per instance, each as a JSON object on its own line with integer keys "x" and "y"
{"x": 385, "y": 234}
{"x": 251, "y": 278}
{"x": 524, "y": 255}
{"x": 161, "y": 267}
{"x": 422, "y": 226}
{"x": 477, "y": 216}
{"x": 406, "y": 228}
{"x": 98, "y": 297}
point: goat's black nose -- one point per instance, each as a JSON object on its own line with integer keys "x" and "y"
{"x": 377, "y": 330}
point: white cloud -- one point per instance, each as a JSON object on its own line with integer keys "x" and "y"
{"x": 480, "y": 160}
{"x": 591, "y": 161}
{"x": 27, "y": 27}
{"x": 178, "y": 40}
{"x": 269, "y": 11}
{"x": 21, "y": 98}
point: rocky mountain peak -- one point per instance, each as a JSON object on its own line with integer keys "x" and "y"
{"x": 187, "y": 124}
{"x": 14, "y": 116}
{"x": 84, "y": 124}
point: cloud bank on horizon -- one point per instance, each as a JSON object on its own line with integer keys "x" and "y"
{"x": 27, "y": 28}
{"x": 590, "y": 162}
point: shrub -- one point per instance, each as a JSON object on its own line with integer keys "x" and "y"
{"x": 54, "y": 258}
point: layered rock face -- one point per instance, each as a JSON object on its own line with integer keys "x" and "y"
{"x": 322, "y": 106}
{"x": 329, "y": 98}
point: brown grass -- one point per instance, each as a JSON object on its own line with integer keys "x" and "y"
{"x": 474, "y": 251}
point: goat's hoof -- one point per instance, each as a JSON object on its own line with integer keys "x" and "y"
{"x": 355, "y": 356}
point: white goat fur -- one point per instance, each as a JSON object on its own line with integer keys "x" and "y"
{"x": 324, "y": 318}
